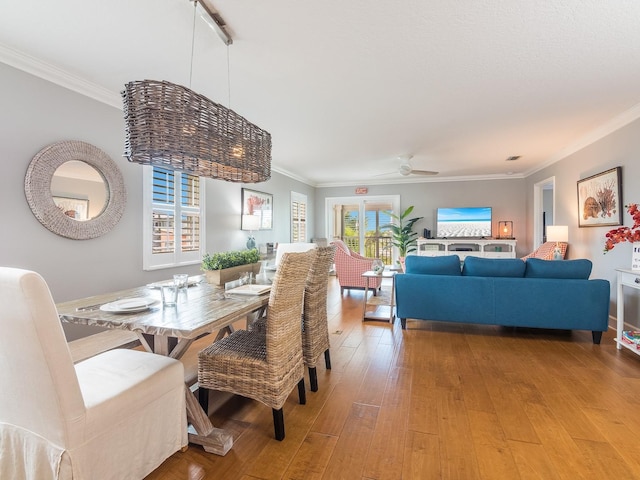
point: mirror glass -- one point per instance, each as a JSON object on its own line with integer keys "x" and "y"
{"x": 79, "y": 190}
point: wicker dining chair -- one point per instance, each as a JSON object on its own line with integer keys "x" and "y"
{"x": 315, "y": 330}
{"x": 265, "y": 366}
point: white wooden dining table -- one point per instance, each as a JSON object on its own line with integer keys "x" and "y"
{"x": 201, "y": 309}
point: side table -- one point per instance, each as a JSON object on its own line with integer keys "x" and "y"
{"x": 630, "y": 279}
{"x": 382, "y": 310}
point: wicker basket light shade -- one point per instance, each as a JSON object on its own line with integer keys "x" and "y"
{"x": 171, "y": 126}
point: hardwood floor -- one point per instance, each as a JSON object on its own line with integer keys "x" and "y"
{"x": 439, "y": 401}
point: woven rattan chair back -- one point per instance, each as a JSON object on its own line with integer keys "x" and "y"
{"x": 315, "y": 331}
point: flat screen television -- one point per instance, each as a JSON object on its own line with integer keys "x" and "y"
{"x": 466, "y": 222}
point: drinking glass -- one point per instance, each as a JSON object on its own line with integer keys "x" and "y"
{"x": 180, "y": 280}
{"x": 169, "y": 295}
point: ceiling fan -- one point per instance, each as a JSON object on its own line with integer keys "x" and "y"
{"x": 405, "y": 169}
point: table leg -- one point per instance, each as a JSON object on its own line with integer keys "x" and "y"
{"x": 392, "y": 302}
{"x": 366, "y": 295}
{"x": 202, "y": 432}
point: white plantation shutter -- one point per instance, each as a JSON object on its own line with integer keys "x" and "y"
{"x": 173, "y": 218}
{"x": 298, "y": 217}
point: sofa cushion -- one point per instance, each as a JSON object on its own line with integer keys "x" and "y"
{"x": 493, "y": 267}
{"x": 446, "y": 265}
{"x": 577, "y": 269}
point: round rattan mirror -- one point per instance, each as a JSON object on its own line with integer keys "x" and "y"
{"x": 37, "y": 187}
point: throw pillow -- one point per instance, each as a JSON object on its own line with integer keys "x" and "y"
{"x": 446, "y": 265}
{"x": 493, "y": 267}
{"x": 576, "y": 269}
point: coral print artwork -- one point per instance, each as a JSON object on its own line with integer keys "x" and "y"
{"x": 599, "y": 199}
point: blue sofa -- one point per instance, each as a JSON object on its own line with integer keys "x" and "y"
{"x": 552, "y": 294}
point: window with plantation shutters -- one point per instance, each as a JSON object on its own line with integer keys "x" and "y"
{"x": 173, "y": 216}
{"x": 298, "y": 217}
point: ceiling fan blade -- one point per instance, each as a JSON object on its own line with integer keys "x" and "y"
{"x": 423, "y": 172}
{"x": 386, "y": 173}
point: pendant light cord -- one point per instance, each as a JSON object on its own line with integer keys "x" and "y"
{"x": 193, "y": 40}
{"x": 228, "y": 78}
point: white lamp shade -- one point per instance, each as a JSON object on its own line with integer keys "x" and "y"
{"x": 558, "y": 233}
{"x": 250, "y": 222}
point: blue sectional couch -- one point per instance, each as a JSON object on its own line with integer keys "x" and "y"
{"x": 552, "y": 294}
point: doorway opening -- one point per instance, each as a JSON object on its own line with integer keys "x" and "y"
{"x": 544, "y": 203}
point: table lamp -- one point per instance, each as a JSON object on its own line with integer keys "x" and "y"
{"x": 251, "y": 223}
{"x": 557, "y": 233}
{"x": 505, "y": 229}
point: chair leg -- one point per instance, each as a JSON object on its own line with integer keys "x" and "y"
{"x": 313, "y": 379}
{"x": 302, "y": 394}
{"x": 278, "y": 423}
{"x": 203, "y": 398}
{"x": 327, "y": 359}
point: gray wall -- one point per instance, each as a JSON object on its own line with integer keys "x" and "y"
{"x": 618, "y": 149}
{"x": 36, "y": 113}
{"x": 506, "y": 197}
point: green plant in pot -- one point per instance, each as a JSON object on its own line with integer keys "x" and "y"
{"x": 402, "y": 235}
{"x": 223, "y": 267}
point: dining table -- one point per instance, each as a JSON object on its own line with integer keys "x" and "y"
{"x": 201, "y": 309}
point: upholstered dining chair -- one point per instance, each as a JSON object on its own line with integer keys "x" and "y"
{"x": 546, "y": 251}
{"x": 265, "y": 366}
{"x": 350, "y": 266}
{"x": 117, "y": 415}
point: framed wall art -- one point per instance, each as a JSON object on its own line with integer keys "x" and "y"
{"x": 600, "y": 199}
{"x": 259, "y": 204}
{"x": 76, "y": 208}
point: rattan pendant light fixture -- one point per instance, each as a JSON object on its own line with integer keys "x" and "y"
{"x": 171, "y": 126}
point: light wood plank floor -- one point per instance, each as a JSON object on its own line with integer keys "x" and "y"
{"x": 439, "y": 401}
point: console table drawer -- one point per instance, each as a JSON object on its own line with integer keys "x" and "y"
{"x": 630, "y": 279}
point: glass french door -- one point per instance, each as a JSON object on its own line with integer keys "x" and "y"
{"x": 357, "y": 221}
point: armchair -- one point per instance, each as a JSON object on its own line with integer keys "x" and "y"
{"x": 117, "y": 415}
{"x": 350, "y": 266}
{"x": 545, "y": 251}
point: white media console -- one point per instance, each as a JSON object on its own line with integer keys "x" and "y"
{"x": 464, "y": 247}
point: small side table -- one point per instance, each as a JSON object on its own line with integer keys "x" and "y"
{"x": 382, "y": 311}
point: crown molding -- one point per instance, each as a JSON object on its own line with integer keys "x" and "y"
{"x": 57, "y": 75}
{"x": 416, "y": 179}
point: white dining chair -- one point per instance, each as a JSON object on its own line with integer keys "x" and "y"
{"x": 117, "y": 415}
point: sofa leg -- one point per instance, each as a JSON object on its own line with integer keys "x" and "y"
{"x": 403, "y": 322}
{"x": 597, "y": 336}
{"x": 327, "y": 359}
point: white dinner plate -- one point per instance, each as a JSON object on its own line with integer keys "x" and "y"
{"x": 250, "y": 289}
{"x": 129, "y": 305}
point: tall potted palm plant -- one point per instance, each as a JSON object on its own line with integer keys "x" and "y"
{"x": 402, "y": 235}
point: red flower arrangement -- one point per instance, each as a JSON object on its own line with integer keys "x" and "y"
{"x": 625, "y": 234}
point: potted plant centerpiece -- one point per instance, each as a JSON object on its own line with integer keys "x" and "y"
{"x": 223, "y": 267}
{"x": 402, "y": 235}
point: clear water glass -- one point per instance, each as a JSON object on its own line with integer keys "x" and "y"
{"x": 169, "y": 295}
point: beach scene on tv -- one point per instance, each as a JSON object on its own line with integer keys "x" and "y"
{"x": 464, "y": 222}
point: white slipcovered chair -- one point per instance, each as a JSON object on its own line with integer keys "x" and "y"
{"x": 117, "y": 415}
{"x": 297, "y": 247}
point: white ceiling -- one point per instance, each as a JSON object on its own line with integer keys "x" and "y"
{"x": 345, "y": 87}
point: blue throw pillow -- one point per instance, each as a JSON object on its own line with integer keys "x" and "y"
{"x": 446, "y": 265}
{"x": 493, "y": 267}
{"x": 577, "y": 269}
